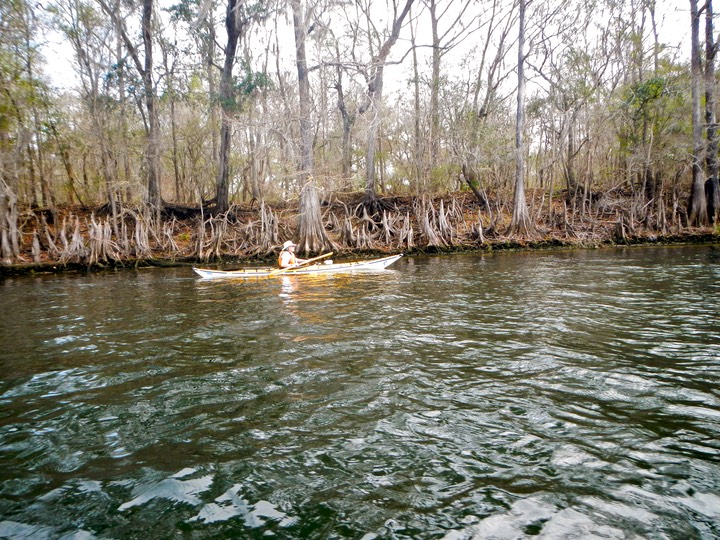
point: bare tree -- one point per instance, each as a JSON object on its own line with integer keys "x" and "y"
{"x": 373, "y": 102}
{"x": 458, "y": 29}
{"x": 499, "y": 23}
{"x": 90, "y": 39}
{"x": 235, "y": 24}
{"x": 711, "y": 184}
{"x": 145, "y": 70}
{"x": 521, "y": 222}
{"x": 697, "y": 207}
{"x": 311, "y": 233}
{"x": 574, "y": 74}
{"x": 200, "y": 19}
{"x": 348, "y": 116}
{"x": 475, "y": 147}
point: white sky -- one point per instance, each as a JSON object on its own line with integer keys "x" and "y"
{"x": 673, "y": 27}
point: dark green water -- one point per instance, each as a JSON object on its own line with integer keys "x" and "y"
{"x": 534, "y": 395}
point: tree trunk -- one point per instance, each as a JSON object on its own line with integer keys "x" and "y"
{"x": 472, "y": 181}
{"x": 373, "y": 130}
{"x": 697, "y": 211}
{"x": 434, "y": 88}
{"x": 124, "y": 115}
{"x": 7, "y": 200}
{"x": 521, "y": 218}
{"x": 172, "y": 97}
{"x": 254, "y": 142}
{"x": 306, "y": 134}
{"x": 211, "y": 75}
{"x": 570, "y": 162}
{"x": 152, "y": 152}
{"x": 348, "y": 120}
{"x": 311, "y": 232}
{"x": 234, "y": 24}
{"x": 418, "y": 168}
{"x": 711, "y": 184}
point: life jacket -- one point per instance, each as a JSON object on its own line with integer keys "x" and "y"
{"x": 291, "y": 260}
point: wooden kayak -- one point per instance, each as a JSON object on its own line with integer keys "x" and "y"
{"x": 315, "y": 269}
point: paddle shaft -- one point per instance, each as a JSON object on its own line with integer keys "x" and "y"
{"x": 275, "y": 272}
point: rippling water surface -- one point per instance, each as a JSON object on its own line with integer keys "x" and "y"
{"x": 532, "y": 395}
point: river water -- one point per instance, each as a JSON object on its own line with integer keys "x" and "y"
{"x": 512, "y": 395}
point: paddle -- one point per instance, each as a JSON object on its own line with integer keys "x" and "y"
{"x": 276, "y": 272}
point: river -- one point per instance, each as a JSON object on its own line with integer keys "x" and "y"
{"x": 559, "y": 394}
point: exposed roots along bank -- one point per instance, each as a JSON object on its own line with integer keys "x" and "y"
{"x": 401, "y": 225}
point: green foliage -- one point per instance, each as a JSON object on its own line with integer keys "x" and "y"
{"x": 655, "y": 109}
{"x": 119, "y": 71}
{"x": 249, "y": 82}
{"x": 185, "y": 10}
{"x": 246, "y": 85}
{"x": 443, "y": 178}
{"x": 640, "y": 96}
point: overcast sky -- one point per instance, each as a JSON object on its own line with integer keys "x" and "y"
{"x": 673, "y": 27}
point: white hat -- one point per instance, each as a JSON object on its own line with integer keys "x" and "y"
{"x": 288, "y": 244}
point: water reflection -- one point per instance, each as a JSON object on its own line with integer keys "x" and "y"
{"x": 557, "y": 395}
{"x": 288, "y": 285}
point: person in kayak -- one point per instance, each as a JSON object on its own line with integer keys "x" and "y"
{"x": 287, "y": 256}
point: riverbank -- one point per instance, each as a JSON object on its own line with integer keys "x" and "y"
{"x": 690, "y": 238}
{"x": 81, "y": 239}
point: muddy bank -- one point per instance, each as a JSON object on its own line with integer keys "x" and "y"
{"x": 30, "y": 268}
{"x": 81, "y": 239}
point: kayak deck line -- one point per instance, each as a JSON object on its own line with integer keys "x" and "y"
{"x": 315, "y": 269}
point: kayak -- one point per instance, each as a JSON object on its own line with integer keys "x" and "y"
{"x": 314, "y": 269}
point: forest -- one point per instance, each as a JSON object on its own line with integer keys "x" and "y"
{"x": 141, "y": 130}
